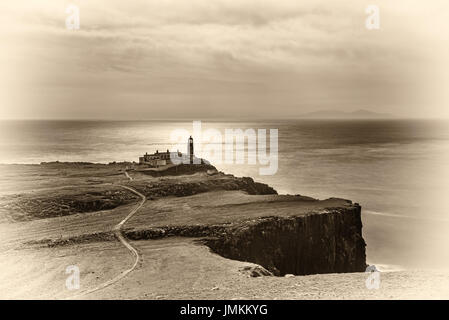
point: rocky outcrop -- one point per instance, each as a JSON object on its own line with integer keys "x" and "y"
{"x": 255, "y": 271}
{"x": 319, "y": 242}
{"x": 179, "y": 188}
{"x": 177, "y": 170}
{"x": 326, "y": 242}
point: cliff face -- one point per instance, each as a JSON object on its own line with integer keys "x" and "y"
{"x": 327, "y": 242}
{"x": 324, "y": 241}
{"x": 181, "y": 188}
{"x": 177, "y": 170}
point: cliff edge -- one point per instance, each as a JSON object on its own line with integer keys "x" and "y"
{"x": 237, "y": 218}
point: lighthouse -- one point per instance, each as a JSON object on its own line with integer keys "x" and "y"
{"x": 190, "y": 148}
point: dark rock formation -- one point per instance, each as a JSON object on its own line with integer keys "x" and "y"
{"x": 181, "y": 189}
{"x": 255, "y": 271}
{"x": 177, "y": 170}
{"x": 329, "y": 242}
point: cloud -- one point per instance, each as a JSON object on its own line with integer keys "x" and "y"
{"x": 256, "y": 55}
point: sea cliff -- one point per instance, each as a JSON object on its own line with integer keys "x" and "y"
{"x": 321, "y": 242}
{"x": 236, "y": 217}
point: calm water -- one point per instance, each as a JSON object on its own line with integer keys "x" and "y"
{"x": 397, "y": 170}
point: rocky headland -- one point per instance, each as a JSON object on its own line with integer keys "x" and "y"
{"x": 56, "y": 206}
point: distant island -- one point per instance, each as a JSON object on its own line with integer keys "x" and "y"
{"x": 335, "y": 114}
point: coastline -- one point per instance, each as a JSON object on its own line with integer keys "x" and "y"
{"x": 172, "y": 232}
{"x": 65, "y": 194}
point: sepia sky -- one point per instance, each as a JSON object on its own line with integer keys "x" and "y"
{"x": 205, "y": 59}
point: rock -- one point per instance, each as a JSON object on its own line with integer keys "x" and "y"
{"x": 255, "y": 271}
{"x": 289, "y": 275}
{"x": 212, "y": 172}
{"x": 327, "y": 242}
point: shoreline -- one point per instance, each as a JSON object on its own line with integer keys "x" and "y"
{"x": 169, "y": 230}
{"x": 61, "y": 194}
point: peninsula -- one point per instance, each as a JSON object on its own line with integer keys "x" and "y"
{"x": 163, "y": 233}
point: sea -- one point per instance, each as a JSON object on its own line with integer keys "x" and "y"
{"x": 397, "y": 170}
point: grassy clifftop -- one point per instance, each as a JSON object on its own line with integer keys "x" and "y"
{"x": 95, "y": 187}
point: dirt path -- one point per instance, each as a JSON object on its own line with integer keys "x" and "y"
{"x": 118, "y": 233}
{"x": 128, "y": 176}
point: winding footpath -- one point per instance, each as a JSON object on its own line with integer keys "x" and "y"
{"x": 118, "y": 233}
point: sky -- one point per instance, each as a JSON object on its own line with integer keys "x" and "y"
{"x": 215, "y": 59}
